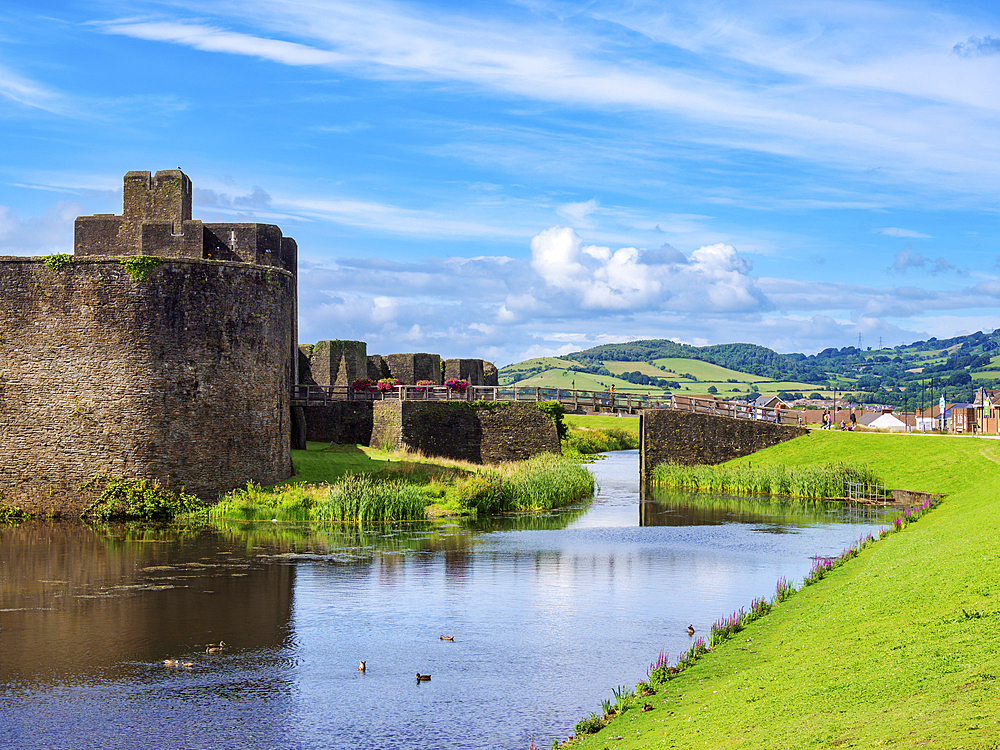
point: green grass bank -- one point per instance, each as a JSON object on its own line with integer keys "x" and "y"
{"x": 899, "y": 647}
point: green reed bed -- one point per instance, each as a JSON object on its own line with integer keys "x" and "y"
{"x": 539, "y": 483}
{"x": 359, "y": 498}
{"x": 811, "y": 481}
{"x": 354, "y": 498}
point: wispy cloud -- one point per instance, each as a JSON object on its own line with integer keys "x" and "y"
{"x": 25, "y": 92}
{"x": 209, "y": 38}
{"x": 43, "y": 234}
{"x": 897, "y": 232}
{"x": 787, "y": 91}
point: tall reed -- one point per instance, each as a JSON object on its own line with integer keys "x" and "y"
{"x": 354, "y": 498}
{"x": 542, "y": 482}
{"x": 358, "y": 498}
{"x": 812, "y": 481}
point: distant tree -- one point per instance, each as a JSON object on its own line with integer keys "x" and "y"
{"x": 960, "y": 378}
{"x": 713, "y": 390}
{"x": 815, "y": 395}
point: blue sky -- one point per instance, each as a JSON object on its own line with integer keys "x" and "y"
{"x": 516, "y": 179}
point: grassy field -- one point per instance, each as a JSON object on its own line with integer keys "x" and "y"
{"x": 899, "y": 647}
{"x": 704, "y": 370}
{"x": 644, "y": 367}
{"x": 557, "y": 378}
{"x": 602, "y": 422}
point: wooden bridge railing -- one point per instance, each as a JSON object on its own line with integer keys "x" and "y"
{"x": 575, "y": 400}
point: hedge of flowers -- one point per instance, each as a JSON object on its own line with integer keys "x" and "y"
{"x": 386, "y": 384}
{"x": 459, "y": 386}
{"x": 423, "y": 385}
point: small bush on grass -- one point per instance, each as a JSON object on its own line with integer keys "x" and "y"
{"x": 589, "y": 726}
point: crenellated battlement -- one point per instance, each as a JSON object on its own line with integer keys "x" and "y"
{"x": 156, "y": 220}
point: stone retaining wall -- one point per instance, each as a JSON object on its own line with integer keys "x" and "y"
{"x": 689, "y": 439}
{"x": 456, "y": 429}
{"x": 340, "y": 422}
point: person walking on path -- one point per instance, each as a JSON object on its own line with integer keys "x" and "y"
{"x": 826, "y": 420}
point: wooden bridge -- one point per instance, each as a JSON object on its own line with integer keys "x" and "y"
{"x": 583, "y": 402}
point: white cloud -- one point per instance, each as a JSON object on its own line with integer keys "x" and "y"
{"x": 896, "y": 232}
{"x": 20, "y": 90}
{"x": 51, "y": 232}
{"x": 578, "y": 212}
{"x": 906, "y": 259}
{"x": 211, "y": 39}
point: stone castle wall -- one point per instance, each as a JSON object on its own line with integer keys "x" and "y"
{"x": 340, "y": 422}
{"x": 338, "y": 363}
{"x": 689, "y": 439}
{"x": 409, "y": 368}
{"x": 456, "y": 429}
{"x": 465, "y": 369}
{"x": 183, "y": 377}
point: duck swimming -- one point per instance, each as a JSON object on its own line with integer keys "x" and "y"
{"x": 362, "y": 667}
{"x": 423, "y": 677}
{"x": 447, "y": 637}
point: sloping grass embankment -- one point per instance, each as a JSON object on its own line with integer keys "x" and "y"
{"x": 899, "y": 647}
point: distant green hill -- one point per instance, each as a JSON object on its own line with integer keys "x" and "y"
{"x": 902, "y": 376}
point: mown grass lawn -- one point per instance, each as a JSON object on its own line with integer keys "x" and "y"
{"x": 899, "y": 647}
{"x": 602, "y": 422}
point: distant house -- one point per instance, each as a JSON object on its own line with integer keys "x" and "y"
{"x": 769, "y": 402}
{"x": 960, "y": 417}
{"x": 987, "y": 410}
{"x": 766, "y": 407}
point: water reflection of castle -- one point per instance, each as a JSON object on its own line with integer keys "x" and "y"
{"x": 101, "y": 599}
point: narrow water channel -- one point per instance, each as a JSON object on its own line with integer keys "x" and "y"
{"x": 548, "y": 614}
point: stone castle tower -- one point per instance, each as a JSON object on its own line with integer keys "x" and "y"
{"x": 182, "y": 375}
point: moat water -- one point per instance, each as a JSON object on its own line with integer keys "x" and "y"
{"x": 548, "y": 614}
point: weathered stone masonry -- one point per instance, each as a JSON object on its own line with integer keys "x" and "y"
{"x": 686, "y": 438}
{"x": 183, "y": 377}
{"x": 454, "y": 429}
{"x": 457, "y": 429}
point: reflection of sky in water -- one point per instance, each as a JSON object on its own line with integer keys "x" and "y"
{"x": 546, "y": 621}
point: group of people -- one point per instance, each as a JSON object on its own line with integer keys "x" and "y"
{"x": 828, "y": 422}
